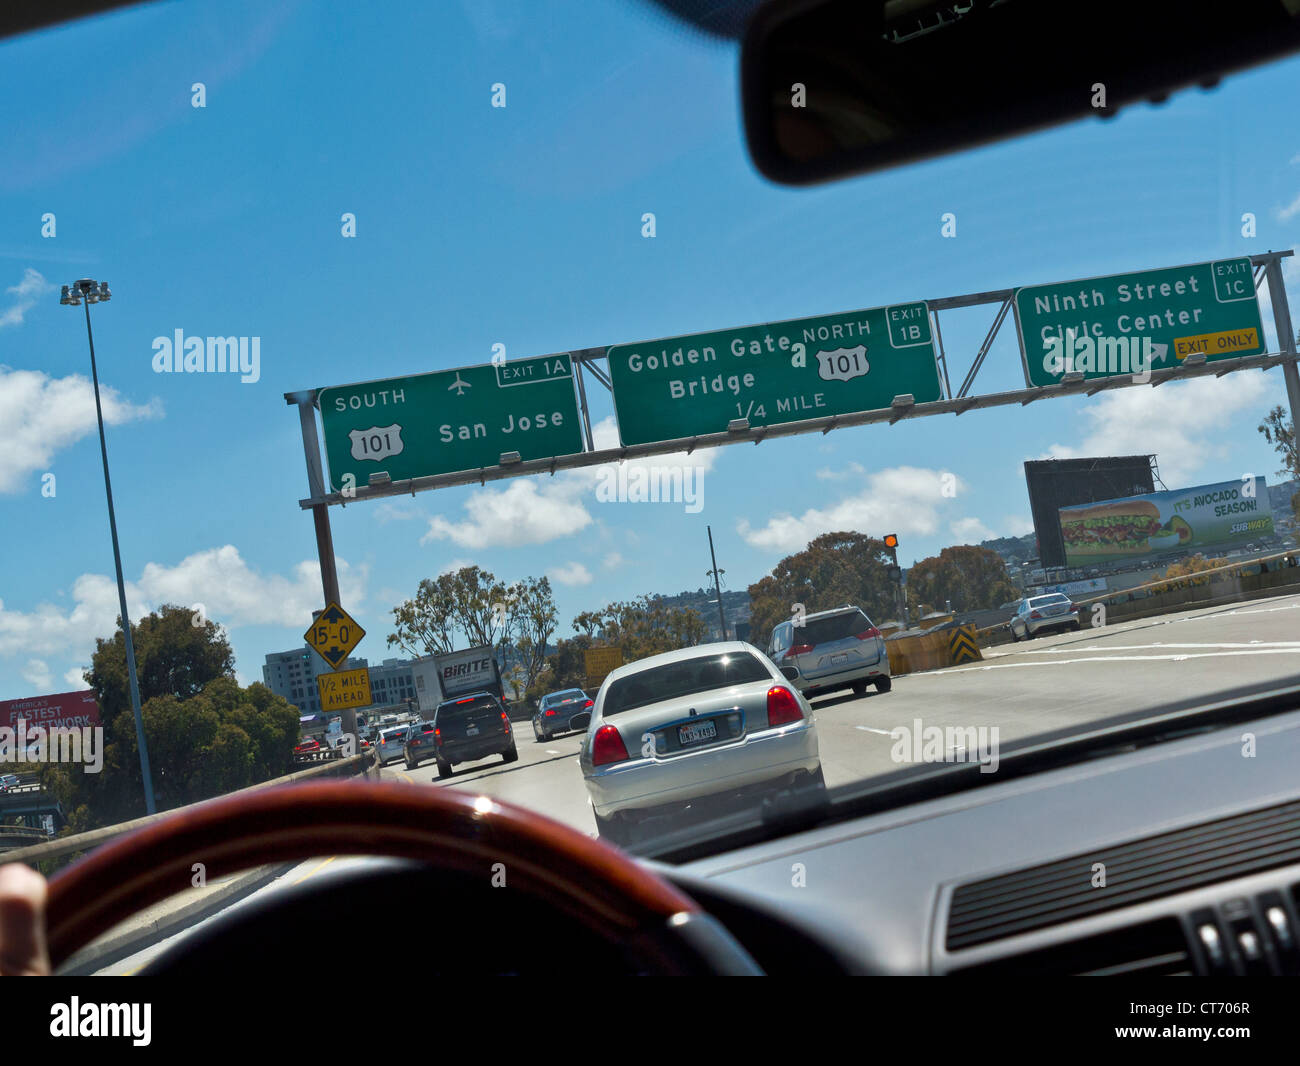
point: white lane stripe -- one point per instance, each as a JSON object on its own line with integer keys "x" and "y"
{"x": 1108, "y": 659}
{"x": 1162, "y": 644}
{"x": 868, "y": 729}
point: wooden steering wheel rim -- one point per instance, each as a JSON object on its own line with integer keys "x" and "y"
{"x": 605, "y": 889}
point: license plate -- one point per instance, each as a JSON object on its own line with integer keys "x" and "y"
{"x": 694, "y": 732}
{"x": 1056, "y": 610}
{"x": 837, "y": 659}
{"x": 472, "y": 731}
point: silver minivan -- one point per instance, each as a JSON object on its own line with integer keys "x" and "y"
{"x": 829, "y": 650}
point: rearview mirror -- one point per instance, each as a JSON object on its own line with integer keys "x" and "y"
{"x": 790, "y": 673}
{"x": 580, "y": 721}
{"x": 838, "y": 87}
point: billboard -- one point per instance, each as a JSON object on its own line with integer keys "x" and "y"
{"x": 65, "y": 710}
{"x": 1057, "y": 483}
{"x": 1162, "y": 522}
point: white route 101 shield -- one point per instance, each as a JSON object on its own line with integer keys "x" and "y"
{"x": 377, "y": 442}
{"x": 843, "y": 364}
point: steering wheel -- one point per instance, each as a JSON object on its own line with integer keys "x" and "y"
{"x": 648, "y": 921}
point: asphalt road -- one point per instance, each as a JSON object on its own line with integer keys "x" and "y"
{"x": 1021, "y": 689}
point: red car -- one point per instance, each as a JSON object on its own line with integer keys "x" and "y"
{"x": 308, "y": 746}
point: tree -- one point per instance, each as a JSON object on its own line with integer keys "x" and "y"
{"x": 642, "y": 627}
{"x": 565, "y": 668}
{"x": 1280, "y": 432}
{"x": 206, "y": 734}
{"x": 973, "y": 578}
{"x": 172, "y": 656}
{"x": 532, "y": 621}
{"x": 471, "y": 602}
{"x": 835, "y": 569}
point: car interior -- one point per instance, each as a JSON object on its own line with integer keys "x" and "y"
{"x": 1165, "y": 842}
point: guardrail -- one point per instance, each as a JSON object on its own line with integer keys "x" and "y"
{"x": 1119, "y": 599}
{"x": 49, "y": 856}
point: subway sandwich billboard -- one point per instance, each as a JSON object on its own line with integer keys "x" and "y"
{"x": 1163, "y": 522}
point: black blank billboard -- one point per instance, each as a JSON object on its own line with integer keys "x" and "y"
{"x": 1057, "y": 483}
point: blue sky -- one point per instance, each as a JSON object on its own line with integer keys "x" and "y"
{"x": 522, "y": 226}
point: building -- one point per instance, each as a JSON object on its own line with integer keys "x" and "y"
{"x": 292, "y": 674}
{"x": 392, "y": 681}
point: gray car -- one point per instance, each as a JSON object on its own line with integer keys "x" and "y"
{"x": 1038, "y": 614}
{"x": 556, "y": 711}
{"x": 392, "y": 742}
{"x": 830, "y": 650}
{"x": 705, "y": 721}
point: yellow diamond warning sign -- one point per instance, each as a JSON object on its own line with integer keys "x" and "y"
{"x": 344, "y": 688}
{"x": 334, "y": 634}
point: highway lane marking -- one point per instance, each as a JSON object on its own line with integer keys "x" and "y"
{"x": 315, "y": 869}
{"x": 868, "y": 729}
{"x": 1110, "y": 659}
{"x": 1291, "y": 644}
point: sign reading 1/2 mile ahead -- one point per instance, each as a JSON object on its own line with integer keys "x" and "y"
{"x": 1207, "y": 308}
{"x": 771, "y": 374}
{"x": 450, "y": 421}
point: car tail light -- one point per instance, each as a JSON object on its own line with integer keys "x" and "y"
{"x": 505, "y": 721}
{"x": 868, "y": 634}
{"x": 800, "y": 649}
{"x": 589, "y": 703}
{"x": 782, "y": 706}
{"x": 550, "y": 713}
{"x": 607, "y": 747}
{"x": 1034, "y": 614}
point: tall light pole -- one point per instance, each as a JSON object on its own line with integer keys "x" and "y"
{"x": 715, "y": 572}
{"x": 93, "y": 292}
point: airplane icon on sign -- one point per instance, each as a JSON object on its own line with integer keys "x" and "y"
{"x": 459, "y": 386}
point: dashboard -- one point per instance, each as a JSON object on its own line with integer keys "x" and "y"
{"x": 1178, "y": 858}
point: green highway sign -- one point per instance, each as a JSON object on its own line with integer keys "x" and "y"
{"x": 450, "y": 421}
{"x": 774, "y": 373}
{"x": 1130, "y": 323}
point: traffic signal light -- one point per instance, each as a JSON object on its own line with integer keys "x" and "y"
{"x": 891, "y": 541}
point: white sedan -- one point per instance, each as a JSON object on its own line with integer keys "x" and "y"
{"x": 713, "y": 720}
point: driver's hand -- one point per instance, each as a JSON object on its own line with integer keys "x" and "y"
{"x": 22, "y": 922}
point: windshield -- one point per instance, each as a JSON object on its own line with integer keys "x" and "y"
{"x": 463, "y": 247}
{"x": 838, "y": 626}
{"x": 686, "y": 677}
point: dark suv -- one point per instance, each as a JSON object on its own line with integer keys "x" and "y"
{"x": 468, "y": 728}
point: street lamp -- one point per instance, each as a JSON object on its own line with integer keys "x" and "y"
{"x": 73, "y": 295}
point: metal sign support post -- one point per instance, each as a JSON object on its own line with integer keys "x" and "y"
{"x": 329, "y": 574}
{"x": 1285, "y": 336}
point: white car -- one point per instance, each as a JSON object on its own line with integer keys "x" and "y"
{"x": 713, "y": 720}
{"x": 1040, "y": 614}
{"x": 390, "y": 743}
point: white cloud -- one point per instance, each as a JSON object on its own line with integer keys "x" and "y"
{"x": 970, "y": 531}
{"x": 612, "y": 561}
{"x": 388, "y": 511}
{"x": 852, "y": 470}
{"x": 1176, "y": 421}
{"x": 1014, "y": 525}
{"x": 1290, "y": 211}
{"x": 570, "y": 574}
{"x": 459, "y": 563}
{"x": 906, "y": 499}
{"x": 74, "y": 680}
{"x": 524, "y": 512}
{"x": 37, "y": 674}
{"x": 537, "y": 510}
{"x": 25, "y": 294}
{"x": 42, "y": 415}
{"x": 232, "y": 594}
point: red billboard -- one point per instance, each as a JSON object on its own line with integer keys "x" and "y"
{"x": 67, "y": 710}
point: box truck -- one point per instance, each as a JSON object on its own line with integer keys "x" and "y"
{"x": 440, "y": 677}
